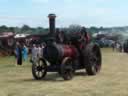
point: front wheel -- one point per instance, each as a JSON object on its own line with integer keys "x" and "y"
{"x": 39, "y": 69}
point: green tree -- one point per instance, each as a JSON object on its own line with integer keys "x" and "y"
{"x": 3, "y": 28}
{"x": 39, "y": 30}
{"x": 11, "y": 29}
{"x": 94, "y": 29}
{"x": 25, "y": 28}
{"x": 17, "y": 30}
{"x": 74, "y": 28}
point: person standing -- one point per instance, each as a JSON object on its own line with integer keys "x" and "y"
{"x": 42, "y": 48}
{"x": 25, "y": 53}
{"x": 34, "y": 53}
{"x": 39, "y": 49}
{"x": 18, "y": 53}
{"x": 113, "y": 46}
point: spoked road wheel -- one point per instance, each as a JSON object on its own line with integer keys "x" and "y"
{"x": 92, "y": 59}
{"x": 67, "y": 71}
{"x": 39, "y": 69}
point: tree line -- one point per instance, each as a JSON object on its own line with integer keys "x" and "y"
{"x": 24, "y": 29}
{"x": 72, "y": 28}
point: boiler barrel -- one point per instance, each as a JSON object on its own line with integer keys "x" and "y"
{"x": 56, "y": 52}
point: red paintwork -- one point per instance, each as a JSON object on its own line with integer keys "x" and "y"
{"x": 69, "y": 51}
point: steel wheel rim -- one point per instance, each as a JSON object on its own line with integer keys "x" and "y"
{"x": 39, "y": 68}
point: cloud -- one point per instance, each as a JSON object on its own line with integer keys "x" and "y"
{"x": 19, "y": 18}
{"x": 40, "y": 1}
{"x": 83, "y": 12}
{"x": 68, "y": 1}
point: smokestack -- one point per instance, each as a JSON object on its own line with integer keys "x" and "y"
{"x": 52, "y": 24}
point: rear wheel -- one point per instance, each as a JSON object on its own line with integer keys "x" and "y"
{"x": 92, "y": 59}
{"x": 67, "y": 71}
{"x": 39, "y": 69}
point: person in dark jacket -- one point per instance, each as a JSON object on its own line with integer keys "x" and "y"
{"x": 84, "y": 35}
{"x": 18, "y": 53}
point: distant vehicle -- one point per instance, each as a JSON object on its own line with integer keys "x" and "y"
{"x": 104, "y": 43}
{"x": 125, "y": 46}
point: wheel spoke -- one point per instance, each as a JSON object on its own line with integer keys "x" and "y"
{"x": 36, "y": 70}
{"x": 42, "y": 70}
{"x": 38, "y": 74}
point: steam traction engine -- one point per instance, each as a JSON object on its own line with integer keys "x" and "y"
{"x": 66, "y": 58}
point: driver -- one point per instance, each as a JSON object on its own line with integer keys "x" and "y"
{"x": 84, "y": 37}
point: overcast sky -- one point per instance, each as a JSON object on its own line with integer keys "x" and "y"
{"x": 34, "y": 13}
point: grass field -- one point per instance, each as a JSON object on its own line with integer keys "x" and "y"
{"x": 112, "y": 80}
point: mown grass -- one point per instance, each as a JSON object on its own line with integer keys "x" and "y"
{"x": 111, "y": 81}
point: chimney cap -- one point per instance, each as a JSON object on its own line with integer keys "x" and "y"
{"x": 52, "y": 15}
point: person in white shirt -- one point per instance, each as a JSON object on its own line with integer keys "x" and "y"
{"x": 42, "y": 47}
{"x": 39, "y": 51}
{"x": 34, "y": 53}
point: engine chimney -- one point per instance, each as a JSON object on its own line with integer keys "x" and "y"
{"x": 52, "y": 24}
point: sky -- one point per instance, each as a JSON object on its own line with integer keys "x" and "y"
{"x": 106, "y": 13}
